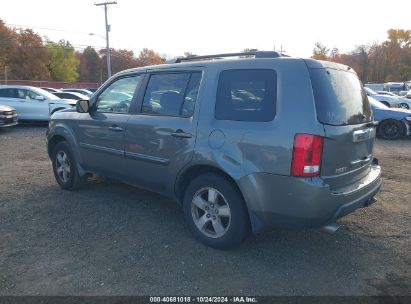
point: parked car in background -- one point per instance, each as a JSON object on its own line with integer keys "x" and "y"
{"x": 92, "y": 89}
{"x": 375, "y": 86}
{"x": 389, "y": 101}
{"x": 81, "y": 91}
{"x": 216, "y": 137}
{"x": 395, "y": 87}
{"x": 387, "y": 93}
{"x": 392, "y": 123}
{"x": 51, "y": 90}
{"x": 70, "y": 95}
{"x": 32, "y": 103}
{"x": 8, "y": 116}
{"x": 404, "y": 102}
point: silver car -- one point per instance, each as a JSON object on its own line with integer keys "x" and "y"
{"x": 389, "y": 101}
{"x": 32, "y": 103}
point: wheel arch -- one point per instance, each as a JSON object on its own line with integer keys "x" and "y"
{"x": 189, "y": 173}
{"x": 53, "y": 142}
{"x": 60, "y": 132}
{"x": 56, "y": 109}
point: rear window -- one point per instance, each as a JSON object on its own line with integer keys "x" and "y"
{"x": 339, "y": 97}
{"x": 246, "y": 95}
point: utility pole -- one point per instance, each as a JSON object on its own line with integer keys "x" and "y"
{"x": 107, "y": 39}
{"x": 5, "y": 74}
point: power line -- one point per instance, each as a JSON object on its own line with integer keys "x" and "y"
{"x": 46, "y": 28}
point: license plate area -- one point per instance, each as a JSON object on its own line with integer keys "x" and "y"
{"x": 363, "y": 135}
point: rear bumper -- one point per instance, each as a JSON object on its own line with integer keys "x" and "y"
{"x": 291, "y": 202}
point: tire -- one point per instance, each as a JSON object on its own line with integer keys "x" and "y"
{"x": 390, "y": 129}
{"x": 65, "y": 167}
{"x": 386, "y": 103}
{"x": 219, "y": 210}
{"x": 404, "y": 106}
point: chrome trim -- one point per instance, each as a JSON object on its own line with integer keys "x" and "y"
{"x": 103, "y": 149}
{"x": 148, "y": 158}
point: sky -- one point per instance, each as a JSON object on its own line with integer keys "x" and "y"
{"x": 172, "y": 27}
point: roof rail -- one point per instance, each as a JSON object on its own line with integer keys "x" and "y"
{"x": 256, "y": 54}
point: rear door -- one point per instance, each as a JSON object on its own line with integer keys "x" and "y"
{"x": 160, "y": 138}
{"x": 344, "y": 110}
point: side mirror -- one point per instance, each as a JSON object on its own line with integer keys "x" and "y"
{"x": 82, "y": 106}
{"x": 39, "y": 98}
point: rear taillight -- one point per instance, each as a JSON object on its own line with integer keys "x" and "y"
{"x": 306, "y": 155}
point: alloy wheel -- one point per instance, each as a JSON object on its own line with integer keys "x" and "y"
{"x": 211, "y": 212}
{"x": 63, "y": 166}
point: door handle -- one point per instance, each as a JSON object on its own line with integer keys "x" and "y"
{"x": 181, "y": 134}
{"x": 115, "y": 128}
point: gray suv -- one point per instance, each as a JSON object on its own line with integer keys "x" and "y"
{"x": 242, "y": 144}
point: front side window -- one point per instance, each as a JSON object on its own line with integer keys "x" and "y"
{"x": 26, "y": 94}
{"x": 172, "y": 94}
{"x": 32, "y": 95}
{"x": 117, "y": 97}
{"x": 246, "y": 95}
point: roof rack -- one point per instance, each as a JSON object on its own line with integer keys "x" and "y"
{"x": 256, "y": 54}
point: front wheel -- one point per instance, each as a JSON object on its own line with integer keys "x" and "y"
{"x": 65, "y": 167}
{"x": 390, "y": 129}
{"x": 216, "y": 212}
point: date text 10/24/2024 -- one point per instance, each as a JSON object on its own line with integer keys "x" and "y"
{"x": 203, "y": 299}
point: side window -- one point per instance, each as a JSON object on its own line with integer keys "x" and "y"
{"x": 6, "y": 93}
{"x": 22, "y": 94}
{"x": 172, "y": 94}
{"x": 31, "y": 94}
{"x": 246, "y": 95}
{"x": 9, "y": 93}
{"x": 117, "y": 97}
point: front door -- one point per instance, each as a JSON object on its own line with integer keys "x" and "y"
{"x": 160, "y": 139}
{"x": 101, "y": 132}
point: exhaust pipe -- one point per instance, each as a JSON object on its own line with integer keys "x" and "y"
{"x": 331, "y": 227}
{"x": 370, "y": 202}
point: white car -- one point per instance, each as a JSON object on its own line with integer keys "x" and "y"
{"x": 389, "y": 101}
{"x": 404, "y": 102}
{"x": 32, "y": 103}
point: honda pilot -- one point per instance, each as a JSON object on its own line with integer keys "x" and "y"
{"x": 244, "y": 145}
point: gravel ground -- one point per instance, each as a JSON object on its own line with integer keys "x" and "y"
{"x": 112, "y": 239}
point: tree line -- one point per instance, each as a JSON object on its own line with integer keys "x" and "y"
{"x": 25, "y": 55}
{"x": 382, "y": 62}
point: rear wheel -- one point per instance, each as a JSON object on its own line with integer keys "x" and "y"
{"x": 216, "y": 212}
{"x": 404, "y": 105}
{"x": 390, "y": 129}
{"x": 65, "y": 167}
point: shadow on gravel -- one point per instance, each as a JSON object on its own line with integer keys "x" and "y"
{"x": 110, "y": 238}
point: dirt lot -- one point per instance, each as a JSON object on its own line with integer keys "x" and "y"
{"x": 113, "y": 239}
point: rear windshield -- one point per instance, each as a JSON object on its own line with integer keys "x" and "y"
{"x": 339, "y": 97}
